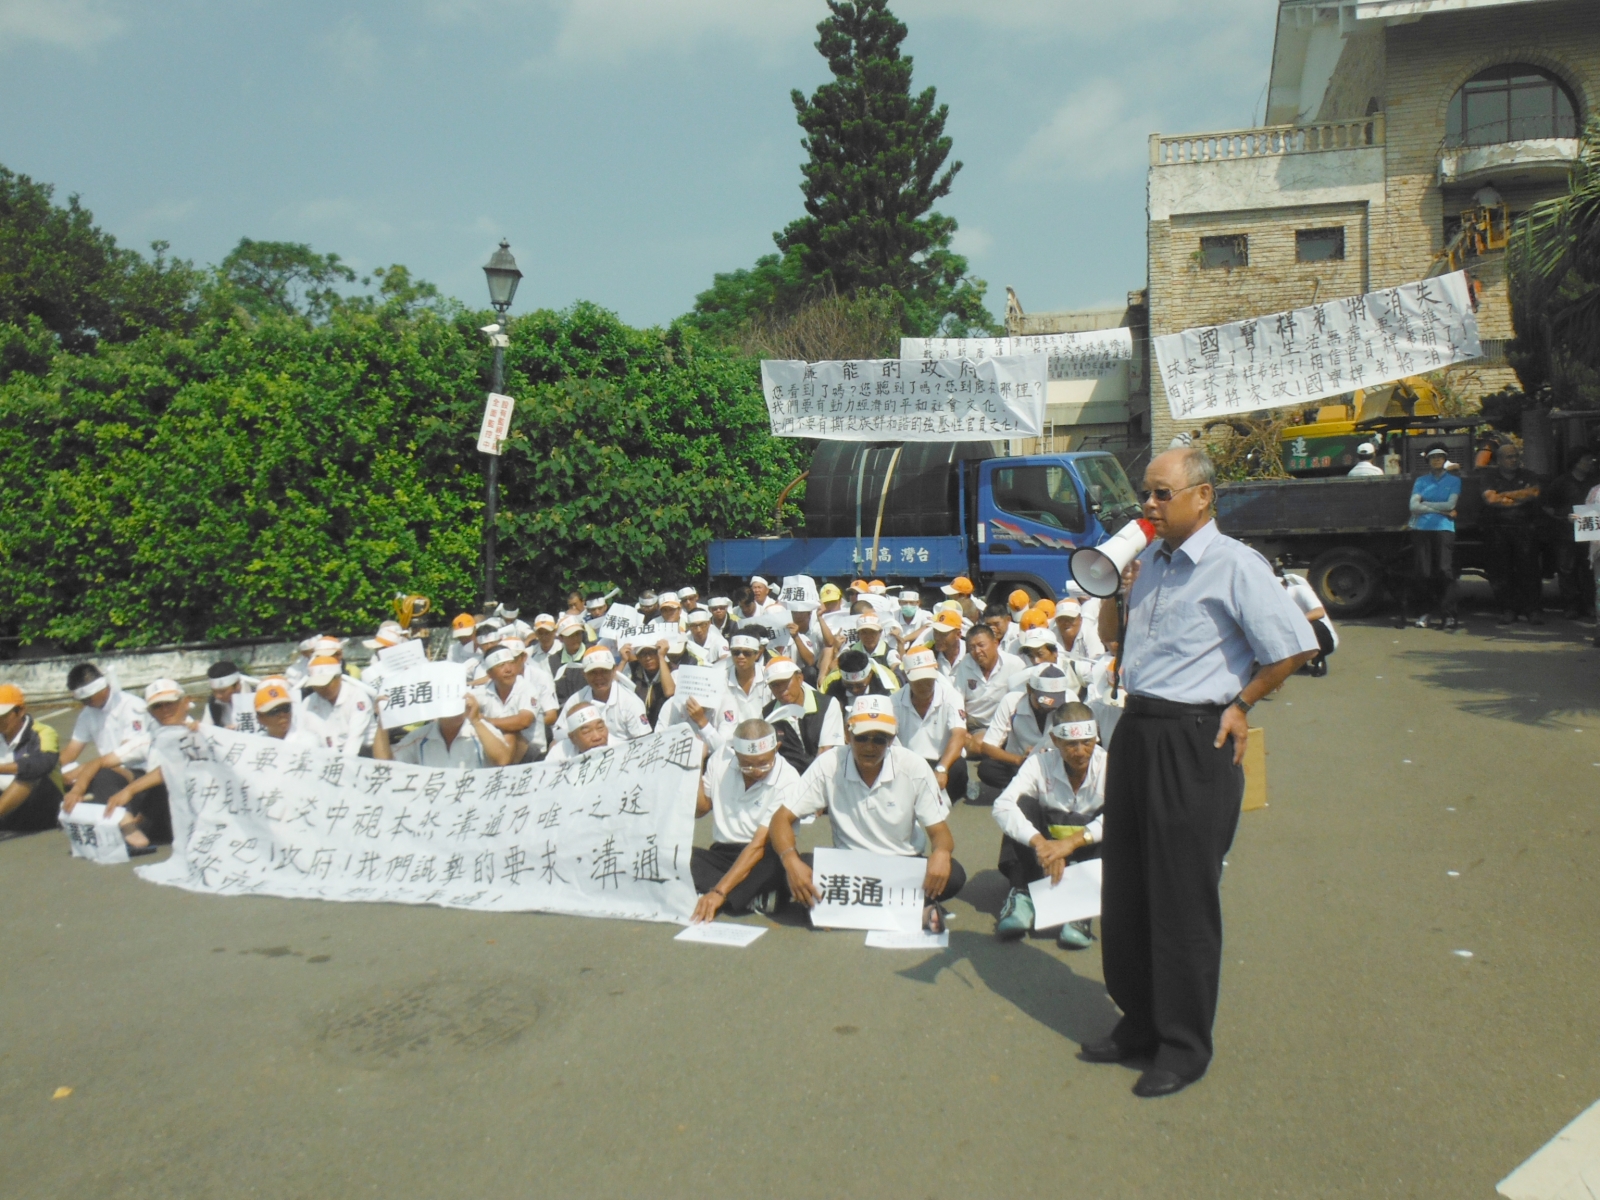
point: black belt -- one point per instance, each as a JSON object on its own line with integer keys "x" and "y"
{"x": 1150, "y": 706}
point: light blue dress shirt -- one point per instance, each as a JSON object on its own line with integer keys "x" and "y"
{"x": 1202, "y": 615}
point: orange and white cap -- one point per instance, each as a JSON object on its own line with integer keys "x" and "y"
{"x": 870, "y": 713}
{"x": 599, "y": 658}
{"x": 465, "y": 626}
{"x": 780, "y": 669}
{"x": 921, "y": 664}
{"x": 10, "y": 697}
{"x": 948, "y": 620}
{"x": 544, "y": 621}
{"x": 163, "y": 691}
{"x": 324, "y": 669}
{"x": 959, "y": 586}
{"x": 272, "y": 694}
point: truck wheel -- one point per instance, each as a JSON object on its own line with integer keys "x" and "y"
{"x": 1349, "y": 581}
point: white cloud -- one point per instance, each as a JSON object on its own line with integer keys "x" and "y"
{"x": 972, "y": 241}
{"x": 1096, "y": 133}
{"x": 73, "y": 24}
{"x": 353, "y": 49}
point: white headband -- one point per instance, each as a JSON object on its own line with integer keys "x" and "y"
{"x": 1075, "y": 731}
{"x": 91, "y": 689}
{"x": 753, "y": 746}
{"x": 503, "y": 655}
{"x": 585, "y": 714}
{"x": 743, "y": 641}
{"x": 224, "y": 681}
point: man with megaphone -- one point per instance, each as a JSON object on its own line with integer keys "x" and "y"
{"x": 1209, "y": 632}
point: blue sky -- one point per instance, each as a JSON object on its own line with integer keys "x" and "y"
{"x": 628, "y": 148}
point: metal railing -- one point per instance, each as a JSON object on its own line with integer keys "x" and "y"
{"x": 1269, "y": 142}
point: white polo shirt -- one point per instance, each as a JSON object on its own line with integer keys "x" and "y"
{"x": 122, "y": 726}
{"x": 889, "y": 817}
{"x": 982, "y": 695}
{"x": 737, "y": 811}
{"x": 346, "y": 725}
{"x": 1016, "y": 726}
{"x": 927, "y": 736}
{"x": 715, "y": 648}
{"x": 1044, "y": 778}
{"x": 744, "y": 706}
{"x": 425, "y": 748}
{"x": 623, "y": 710}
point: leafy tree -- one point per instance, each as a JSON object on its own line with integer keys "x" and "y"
{"x": 1554, "y": 263}
{"x": 61, "y": 273}
{"x": 877, "y": 165}
{"x": 283, "y": 277}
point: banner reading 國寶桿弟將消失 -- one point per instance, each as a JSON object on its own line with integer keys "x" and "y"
{"x": 1086, "y": 355}
{"x": 606, "y": 834}
{"x": 892, "y": 399}
{"x": 1324, "y": 350}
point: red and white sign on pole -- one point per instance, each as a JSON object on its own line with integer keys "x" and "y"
{"x": 496, "y": 423}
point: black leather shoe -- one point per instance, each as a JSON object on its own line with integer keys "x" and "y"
{"x": 1156, "y": 1082}
{"x": 1107, "y": 1050}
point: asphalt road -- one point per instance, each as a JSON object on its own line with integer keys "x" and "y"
{"x": 254, "y": 1046}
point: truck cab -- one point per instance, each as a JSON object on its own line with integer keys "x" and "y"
{"x": 1034, "y": 511}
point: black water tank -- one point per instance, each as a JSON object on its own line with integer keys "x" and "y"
{"x": 923, "y": 495}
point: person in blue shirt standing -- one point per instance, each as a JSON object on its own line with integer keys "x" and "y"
{"x": 1434, "y": 498}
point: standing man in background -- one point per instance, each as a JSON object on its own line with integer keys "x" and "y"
{"x": 1434, "y": 498}
{"x": 1203, "y": 611}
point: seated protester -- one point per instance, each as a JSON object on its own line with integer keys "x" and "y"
{"x": 869, "y": 637}
{"x": 690, "y": 598}
{"x": 1051, "y": 816}
{"x": 120, "y": 728}
{"x": 566, "y": 665}
{"x": 747, "y": 688}
{"x": 806, "y": 643}
{"x": 508, "y": 704}
{"x": 275, "y": 713}
{"x": 618, "y": 704}
{"x": 543, "y": 645}
{"x": 931, "y": 722}
{"x": 545, "y": 703}
{"x": 337, "y": 709}
{"x": 804, "y": 721}
{"x": 949, "y": 637}
{"x": 879, "y": 797}
{"x": 583, "y": 729}
{"x": 1039, "y": 648}
{"x": 984, "y": 676}
{"x": 332, "y": 647}
{"x": 30, "y": 794}
{"x": 389, "y": 636}
{"x": 464, "y": 741}
{"x": 489, "y": 638}
{"x": 1021, "y": 723}
{"x": 649, "y": 605}
{"x": 910, "y": 620}
{"x": 147, "y": 816}
{"x": 295, "y": 672}
{"x": 999, "y": 618}
{"x": 670, "y": 619}
{"x": 721, "y": 622}
{"x": 648, "y": 670}
{"x": 743, "y": 785}
{"x": 463, "y": 639}
{"x": 1306, "y": 599}
{"x": 960, "y": 590}
{"x": 713, "y": 648}
{"x": 227, "y": 681}
{"x": 855, "y": 676}
{"x": 594, "y": 611}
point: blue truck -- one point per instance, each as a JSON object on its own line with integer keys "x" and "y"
{"x": 924, "y": 512}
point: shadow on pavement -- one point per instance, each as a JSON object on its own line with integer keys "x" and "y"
{"x": 1036, "y": 981}
{"x": 1530, "y": 688}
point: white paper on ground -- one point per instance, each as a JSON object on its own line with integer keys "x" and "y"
{"x": 705, "y": 684}
{"x": 1075, "y": 898}
{"x": 861, "y": 890}
{"x": 893, "y": 939}
{"x": 1567, "y": 1167}
{"x": 713, "y": 933}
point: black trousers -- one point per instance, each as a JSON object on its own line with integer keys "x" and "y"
{"x": 1019, "y": 864}
{"x": 1172, "y": 806}
{"x": 958, "y": 778}
{"x": 39, "y": 811}
{"x": 957, "y": 880}
{"x": 1435, "y": 587}
{"x": 996, "y": 773}
{"x": 151, "y": 809}
{"x": 1514, "y": 567}
{"x": 709, "y": 865}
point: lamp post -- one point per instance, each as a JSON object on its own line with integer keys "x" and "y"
{"x": 503, "y": 276}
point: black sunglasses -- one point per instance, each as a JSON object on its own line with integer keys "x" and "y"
{"x": 1163, "y": 495}
{"x": 744, "y": 653}
{"x": 874, "y": 739}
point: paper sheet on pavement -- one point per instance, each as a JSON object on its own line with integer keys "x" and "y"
{"x": 1075, "y": 898}
{"x": 715, "y": 933}
{"x": 893, "y": 939}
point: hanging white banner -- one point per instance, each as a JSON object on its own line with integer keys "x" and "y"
{"x": 607, "y": 834}
{"x": 1313, "y": 353}
{"x": 891, "y": 399}
{"x": 496, "y": 423}
{"x": 1086, "y": 355}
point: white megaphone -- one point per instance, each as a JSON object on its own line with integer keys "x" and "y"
{"x": 1098, "y": 569}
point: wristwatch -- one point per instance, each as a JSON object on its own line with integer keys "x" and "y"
{"x": 1241, "y": 704}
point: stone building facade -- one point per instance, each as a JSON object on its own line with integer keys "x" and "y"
{"x": 1386, "y": 120}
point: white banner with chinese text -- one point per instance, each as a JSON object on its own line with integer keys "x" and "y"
{"x": 607, "y": 834}
{"x": 891, "y": 399}
{"x": 1086, "y": 355}
{"x": 1313, "y": 353}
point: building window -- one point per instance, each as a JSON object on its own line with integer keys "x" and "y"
{"x": 1229, "y": 252}
{"x": 1319, "y": 245}
{"x": 1511, "y": 103}
{"x": 1042, "y": 494}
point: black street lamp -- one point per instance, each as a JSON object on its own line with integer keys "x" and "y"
{"x": 501, "y": 271}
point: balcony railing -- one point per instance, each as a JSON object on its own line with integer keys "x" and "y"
{"x": 1270, "y": 142}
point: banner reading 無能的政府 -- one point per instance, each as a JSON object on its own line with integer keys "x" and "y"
{"x": 1086, "y": 355}
{"x": 607, "y": 834}
{"x": 892, "y": 399}
{"x": 1324, "y": 350}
